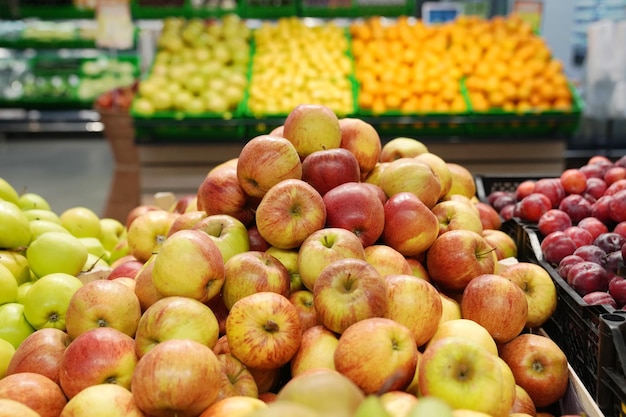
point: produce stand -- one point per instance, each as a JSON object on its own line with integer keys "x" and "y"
{"x": 173, "y": 149}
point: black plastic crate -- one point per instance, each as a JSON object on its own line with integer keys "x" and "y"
{"x": 611, "y": 396}
{"x": 486, "y": 184}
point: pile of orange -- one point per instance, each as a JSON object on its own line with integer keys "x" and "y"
{"x": 406, "y": 66}
{"x": 515, "y": 70}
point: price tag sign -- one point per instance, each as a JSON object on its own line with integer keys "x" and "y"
{"x": 440, "y": 12}
{"x": 115, "y": 29}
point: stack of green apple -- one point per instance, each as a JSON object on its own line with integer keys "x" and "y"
{"x": 321, "y": 272}
{"x": 200, "y": 67}
{"x": 52, "y": 255}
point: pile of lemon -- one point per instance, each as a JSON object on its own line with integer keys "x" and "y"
{"x": 296, "y": 63}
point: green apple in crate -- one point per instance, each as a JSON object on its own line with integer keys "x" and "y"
{"x": 8, "y": 286}
{"x": 47, "y": 300}
{"x": 54, "y": 252}
{"x": 14, "y": 226}
{"x": 7, "y": 351}
{"x": 15, "y": 328}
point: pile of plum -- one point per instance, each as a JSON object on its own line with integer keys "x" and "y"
{"x": 581, "y": 220}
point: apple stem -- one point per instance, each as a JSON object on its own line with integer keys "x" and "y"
{"x": 296, "y": 209}
{"x": 102, "y": 323}
{"x": 481, "y": 254}
{"x": 271, "y": 326}
{"x": 93, "y": 265}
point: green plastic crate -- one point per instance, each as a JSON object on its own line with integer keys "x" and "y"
{"x": 327, "y": 8}
{"x": 396, "y": 124}
{"x": 141, "y": 10}
{"x": 75, "y": 42}
{"x": 168, "y": 126}
{"x": 207, "y": 12}
{"x": 269, "y": 9}
{"x": 500, "y": 123}
{"x": 53, "y": 10}
{"x": 387, "y": 8}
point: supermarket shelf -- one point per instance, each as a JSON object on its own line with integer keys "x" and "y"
{"x": 20, "y": 121}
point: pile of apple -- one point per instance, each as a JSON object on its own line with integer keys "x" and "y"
{"x": 318, "y": 273}
{"x": 581, "y": 218}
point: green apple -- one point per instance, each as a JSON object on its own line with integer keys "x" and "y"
{"x": 8, "y": 286}
{"x": 143, "y": 106}
{"x": 15, "y": 328}
{"x": 431, "y": 406}
{"x": 41, "y": 214}
{"x": 46, "y": 303}
{"x": 7, "y": 192}
{"x": 29, "y": 201}
{"x": 14, "y": 226}
{"x": 56, "y": 252}
{"x": 229, "y": 234}
{"x": 112, "y": 231}
{"x": 94, "y": 246}
{"x": 371, "y": 406}
{"x": 289, "y": 258}
{"x": 41, "y": 226}
{"x": 7, "y": 350}
{"x": 95, "y": 262}
{"x": 17, "y": 264}
{"x": 22, "y": 289}
{"x": 119, "y": 251}
{"x": 81, "y": 222}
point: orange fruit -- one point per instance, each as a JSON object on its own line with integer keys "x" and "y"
{"x": 378, "y": 105}
{"x": 365, "y": 99}
{"x": 411, "y": 105}
{"x": 562, "y": 104}
{"x": 523, "y": 107}
{"x": 496, "y": 98}
{"x": 392, "y": 101}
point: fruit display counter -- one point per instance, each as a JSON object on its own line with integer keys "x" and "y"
{"x": 407, "y": 76}
{"x": 318, "y": 272}
{"x": 56, "y": 65}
